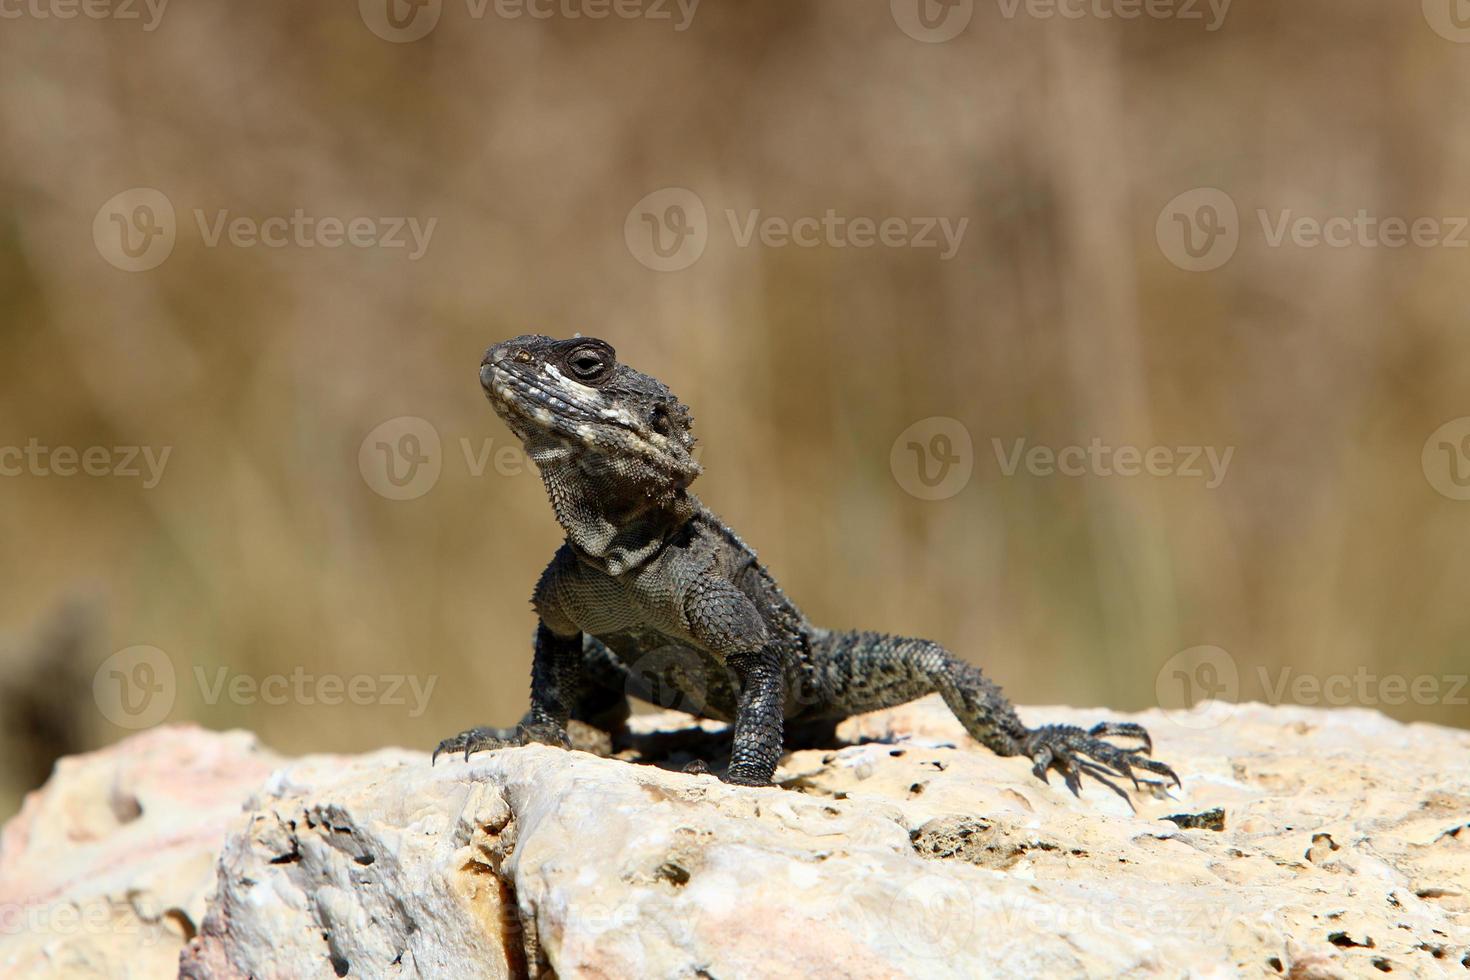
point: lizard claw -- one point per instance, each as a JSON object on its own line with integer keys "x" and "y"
{"x": 1127, "y": 729}
{"x": 484, "y": 739}
{"x": 1074, "y": 752}
{"x": 474, "y": 740}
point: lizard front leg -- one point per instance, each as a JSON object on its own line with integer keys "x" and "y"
{"x": 758, "y": 719}
{"x": 556, "y": 686}
{"x": 725, "y": 622}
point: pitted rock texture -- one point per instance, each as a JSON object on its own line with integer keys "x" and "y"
{"x": 1341, "y": 848}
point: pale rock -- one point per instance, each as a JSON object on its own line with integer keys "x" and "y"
{"x": 1345, "y": 852}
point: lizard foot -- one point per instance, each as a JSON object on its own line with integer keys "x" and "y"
{"x": 1073, "y": 752}
{"x": 484, "y": 739}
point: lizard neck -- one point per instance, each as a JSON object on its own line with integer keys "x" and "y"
{"x": 612, "y": 526}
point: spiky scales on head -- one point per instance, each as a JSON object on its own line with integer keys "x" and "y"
{"x": 573, "y": 397}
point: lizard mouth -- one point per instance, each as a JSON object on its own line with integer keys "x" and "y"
{"x": 553, "y": 413}
{"x": 530, "y": 397}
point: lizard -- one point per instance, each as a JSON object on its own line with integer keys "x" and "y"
{"x": 651, "y": 592}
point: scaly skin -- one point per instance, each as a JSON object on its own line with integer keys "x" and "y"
{"x": 653, "y": 595}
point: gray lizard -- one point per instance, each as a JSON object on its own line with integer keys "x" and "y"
{"x": 652, "y": 593}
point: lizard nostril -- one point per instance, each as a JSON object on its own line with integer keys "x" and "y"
{"x": 489, "y": 357}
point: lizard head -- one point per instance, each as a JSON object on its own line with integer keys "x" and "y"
{"x": 570, "y": 401}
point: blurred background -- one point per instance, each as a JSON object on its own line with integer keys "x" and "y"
{"x": 250, "y": 478}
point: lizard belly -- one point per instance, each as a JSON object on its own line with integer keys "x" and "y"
{"x": 672, "y": 673}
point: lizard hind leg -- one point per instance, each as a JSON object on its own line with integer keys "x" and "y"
{"x": 870, "y": 671}
{"x": 864, "y": 671}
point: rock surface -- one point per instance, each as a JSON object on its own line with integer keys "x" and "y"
{"x": 1342, "y": 848}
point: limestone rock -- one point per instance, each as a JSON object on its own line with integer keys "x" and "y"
{"x": 106, "y": 870}
{"x": 1304, "y": 843}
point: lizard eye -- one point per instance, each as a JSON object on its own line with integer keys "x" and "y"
{"x": 588, "y": 363}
